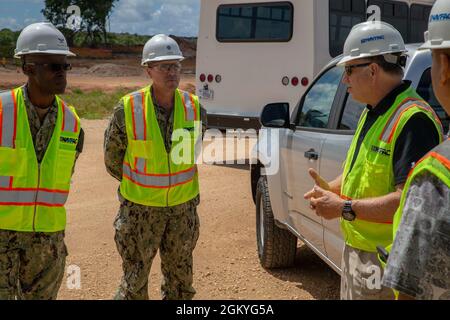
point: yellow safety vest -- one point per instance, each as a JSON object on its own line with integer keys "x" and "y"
{"x": 32, "y": 194}
{"x": 372, "y": 174}
{"x": 151, "y": 175}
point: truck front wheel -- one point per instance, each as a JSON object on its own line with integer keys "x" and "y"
{"x": 276, "y": 246}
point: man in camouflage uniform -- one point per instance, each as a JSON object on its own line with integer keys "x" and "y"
{"x": 141, "y": 229}
{"x": 32, "y": 263}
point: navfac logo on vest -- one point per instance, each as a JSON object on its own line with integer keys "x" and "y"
{"x": 382, "y": 151}
{"x": 68, "y": 140}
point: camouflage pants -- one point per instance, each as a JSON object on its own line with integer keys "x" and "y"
{"x": 31, "y": 265}
{"x": 140, "y": 232}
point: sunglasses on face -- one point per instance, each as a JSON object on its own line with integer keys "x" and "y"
{"x": 167, "y": 67}
{"x": 53, "y": 67}
{"x": 349, "y": 69}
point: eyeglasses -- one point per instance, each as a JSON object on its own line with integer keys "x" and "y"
{"x": 53, "y": 67}
{"x": 167, "y": 67}
{"x": 349, "y": 69}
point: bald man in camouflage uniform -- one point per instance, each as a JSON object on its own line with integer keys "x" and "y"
{"x": 142, "y": 230}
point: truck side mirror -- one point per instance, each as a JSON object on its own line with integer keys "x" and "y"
{"x": 275, "y": 115}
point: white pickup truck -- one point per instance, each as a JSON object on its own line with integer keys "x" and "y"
{"x": 317, "y": 135}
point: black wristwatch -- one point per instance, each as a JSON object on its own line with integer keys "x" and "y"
{"x": 347, "y": 212}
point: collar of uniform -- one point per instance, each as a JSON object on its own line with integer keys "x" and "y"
{"x": 30, "y": 105}
{"x": 155, "y": 103}
{"x": 384, "y": 105}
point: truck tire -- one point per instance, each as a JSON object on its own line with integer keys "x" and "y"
{"x": 276, "y": 246}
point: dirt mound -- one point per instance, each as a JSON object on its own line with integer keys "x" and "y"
{"x": 114, "y": 70}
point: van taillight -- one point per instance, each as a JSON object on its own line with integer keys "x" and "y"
{"x": 218, "y": 78}
{"x": 202, "y": 77}
{"x": 285, "y": 81}
{"x": 305, "y": 81}
{"x": 294, "y": 81}
{"x": 210, "y": 78}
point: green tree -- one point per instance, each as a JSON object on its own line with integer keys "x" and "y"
{"x": 95, "y": 16}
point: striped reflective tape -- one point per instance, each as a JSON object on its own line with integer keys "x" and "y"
{"x": 70, "y": 122}
{"x": 189, "y": 106}
{"x": 159, "y": 181}
{"x": 138, "y": 108}
{"x": 5, "y": 182}
{"x": 390, "y": 127}
{"x": 140, "y": 164}
{"x": 8, "y": 119}
{"x": 24, "y": 197}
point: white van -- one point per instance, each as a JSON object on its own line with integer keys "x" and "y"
{"x": 254, "y": 52}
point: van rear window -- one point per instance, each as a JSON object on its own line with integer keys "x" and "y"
{"x": 264, "y": 22}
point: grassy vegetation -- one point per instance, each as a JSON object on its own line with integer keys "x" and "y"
{"x": 8, "y": 40}
{"x": 94, "y": 104}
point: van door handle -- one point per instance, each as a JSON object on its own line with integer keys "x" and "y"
{"x": 311, "y": 155}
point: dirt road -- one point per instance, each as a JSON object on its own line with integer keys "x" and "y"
{"x": 226, "y": 261}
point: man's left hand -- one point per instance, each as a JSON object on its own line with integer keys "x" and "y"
{"x": 327, "y": 204}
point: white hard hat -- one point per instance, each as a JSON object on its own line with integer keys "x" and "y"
{"x": 373, "y": 38}
{"x": 161, "y": 48}
{"x": 41, "y": 37}
{"x": 438, "y": 34}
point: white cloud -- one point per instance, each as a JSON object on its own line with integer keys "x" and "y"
{"x": 9, "y": 23}
{"x": 179, "y": 17}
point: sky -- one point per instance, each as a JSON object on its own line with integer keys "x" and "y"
{"x": 145, "y": 17}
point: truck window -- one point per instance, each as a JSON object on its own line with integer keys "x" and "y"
{"x": 395, "y": 13}
{"x": 420, "y": 14}
{"x": 350, "y": 114}
{"x": 265, "y": 22}
{"x": 344, "y": 14}
{"x": 425, "y": 90}
{"x": 317, "y": 103}
{"x": 412, "y": 21}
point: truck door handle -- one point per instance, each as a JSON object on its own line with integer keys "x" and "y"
{"x": 312, "y": 155}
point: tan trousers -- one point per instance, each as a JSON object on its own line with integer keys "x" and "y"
{"x": 361, "y": 276}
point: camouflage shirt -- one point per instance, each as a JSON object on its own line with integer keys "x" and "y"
{"x": 419, "y": 262}
{"x": 41, "y": 133}
{"x": 116, "y": 142}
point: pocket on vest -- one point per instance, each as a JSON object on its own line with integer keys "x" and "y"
{"x": 13, "y": 162}
{"x": 140, "y": 148}
{"x": 64, "y": 166}
{"x": 375, "y": 180}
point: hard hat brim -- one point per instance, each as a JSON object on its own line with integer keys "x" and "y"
{"x": 429, "y": 45}
{"x": 346, "y": 59}
{"x": 163, "y": 58}
{"x": 55, "y": 52}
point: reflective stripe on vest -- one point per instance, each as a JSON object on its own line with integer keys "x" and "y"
{"x": 139, "y": 108}
{"x": 8, "y": 119}
{"x": 31, "y": 197}
{"x": 159, "y": 181}
{"x": 70, "y": 122}
{"x": 188, "y": 102}
{"x": 391, "y": 126}
{"x": 5, "y": 182}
